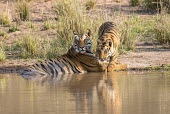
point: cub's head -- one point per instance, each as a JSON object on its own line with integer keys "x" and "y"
{"x": 105, "y": 49}
{"x": 82, "y": 42}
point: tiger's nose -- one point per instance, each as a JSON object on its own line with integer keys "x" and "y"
{"x": 82, "y": 48}
{"x": 102, "y": 59}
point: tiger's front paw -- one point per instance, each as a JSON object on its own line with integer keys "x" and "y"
{"x": 117, "y": 67}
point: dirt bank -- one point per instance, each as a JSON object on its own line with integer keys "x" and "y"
{"x": 146, "y": 56}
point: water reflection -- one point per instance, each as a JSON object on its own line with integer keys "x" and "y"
{"x": 90, "y": 93}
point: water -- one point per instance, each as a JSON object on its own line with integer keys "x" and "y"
{"x": 90, "y": 93}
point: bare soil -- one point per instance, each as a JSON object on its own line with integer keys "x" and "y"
{"x": 146, "y": 56}
{"x": 41, "y": 10}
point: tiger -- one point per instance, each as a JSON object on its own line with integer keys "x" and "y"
{"x": 78, "y": 59}
{"x": 107, "y": 46}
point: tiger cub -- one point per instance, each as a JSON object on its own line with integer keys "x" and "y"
{"x": 107, "y": 45}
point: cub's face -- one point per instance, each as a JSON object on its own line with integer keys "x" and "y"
{"x": 82, "y": 43}
{"x": 104, "y": 49}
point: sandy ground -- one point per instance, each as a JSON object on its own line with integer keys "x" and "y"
{"x": 145, "y": 56}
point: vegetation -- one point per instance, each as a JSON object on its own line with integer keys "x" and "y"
{"x": 71, "y": 19}
{"x": 162, "y": 30}
{"x": 2, "y": 53}
{"x": 30, "y": 25}
{"x": 5, "y": 19}
{"x": 30, "y": 46}
{"x": 135, "y": 2}
{"x": 48, "y": 24}
{"x": 90, "y": 4}
{"x": 157, "y": 5}
{"x": 130, "y": 32}
{"x": 2, "y": 33}
{"x": 162, "y": 67}
{"x": 23, "y": 10}
{"x": 14, "y": 28}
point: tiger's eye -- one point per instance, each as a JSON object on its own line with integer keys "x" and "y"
{"x": 104, "y": 43}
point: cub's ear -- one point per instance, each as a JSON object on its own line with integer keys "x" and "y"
{"x": 88, "y": 32}
{"x": 75, "y": 33}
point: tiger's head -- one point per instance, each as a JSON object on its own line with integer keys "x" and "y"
{"x": 82, "y": 43}
{"x": 106, "y": 51}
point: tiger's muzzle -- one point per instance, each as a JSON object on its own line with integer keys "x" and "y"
{"x": 82, "y": 49}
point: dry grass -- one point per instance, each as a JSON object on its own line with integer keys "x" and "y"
{"x": 22, "y": 10}
{"x": 162, "y": 30}
{"x": 30, "y": 46}
{"x": 5, "y": 18}
{"x": 2, "y": 53}
{"x": 90, "y": 4}
{"x": 72, "y": 17}
{"x": 157, "y": 5}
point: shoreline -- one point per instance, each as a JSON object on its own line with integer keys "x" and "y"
{"x": 16, "y": 67}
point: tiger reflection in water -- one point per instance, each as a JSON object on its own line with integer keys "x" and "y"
{"x": 93, "y": 93}
{"x": 95, "y": 87}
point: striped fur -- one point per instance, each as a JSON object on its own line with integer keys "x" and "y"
{"x": 78, "y": 59}
{"x": 107, "y": 43}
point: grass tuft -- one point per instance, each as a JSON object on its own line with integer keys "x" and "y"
{"x": 90, "y": 4}
{"x": 5, "y": 19}
{"x": 48, "y": 25}
{"x": 14, "y": 28}
{"x": 30, "y": 46}
{"x": 2, "y": 53}
{"x": 135, "y": 2}
{"x": 162, "y": 30}
{"x": 2, "y": 33}
{"x": 23, "y": 10}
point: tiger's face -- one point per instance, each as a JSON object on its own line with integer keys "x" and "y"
{"x": 105, "y": 49}
{"x": 82, "y": 42}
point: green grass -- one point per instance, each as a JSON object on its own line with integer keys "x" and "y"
{"x": 22, "y": 9}
{"x": 163, "y": 67}
{"x": 14, "y": 28}
{"x": 162, "y": 30}
{"x": 131, "y": 31}
{"x": 30, "y": 25}
{"x": 2, "y": 52}
{"x": 48, "y": 25}
{"x": 135, "y": 2}
{"x": 5, "y": 19}
{"x": 30, "y": 46}
{"x": 90, "y": 4}
{"x": 2, "y": 33}
{"x": 2, "y": 55}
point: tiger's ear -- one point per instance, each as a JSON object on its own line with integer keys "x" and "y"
{"x": 88, "y": 32}
{"x": 75, "y": 33}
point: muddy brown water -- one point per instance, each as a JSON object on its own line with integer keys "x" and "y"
{"x": 89, "y": 93}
